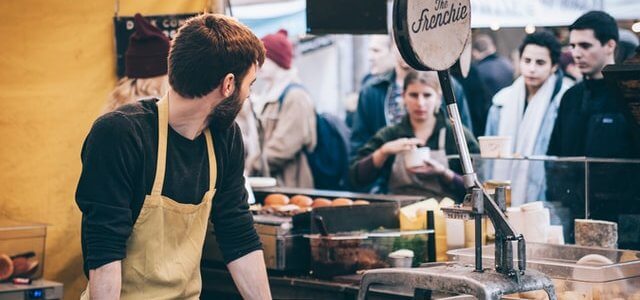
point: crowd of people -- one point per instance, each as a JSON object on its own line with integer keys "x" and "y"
{"x": 155, "y": 167}
{"x": 552, "y": 101}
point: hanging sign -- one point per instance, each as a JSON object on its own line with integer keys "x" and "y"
{"x": 124, "y": 27}
{"x": 431, "y": 34}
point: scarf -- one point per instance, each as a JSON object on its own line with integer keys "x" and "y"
{"x": 523, "y": 129}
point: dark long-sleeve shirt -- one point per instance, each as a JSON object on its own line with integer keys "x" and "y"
{"x": 118, "y": 170}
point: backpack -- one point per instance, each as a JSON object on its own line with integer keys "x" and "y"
{"x": 329, "y": 161}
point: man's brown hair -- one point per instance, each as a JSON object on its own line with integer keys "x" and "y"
{"x": 206, "y": 49}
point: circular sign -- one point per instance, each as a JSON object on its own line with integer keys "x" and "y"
{"x": 431, "y": 34}
{"x": 465, "y": 58}
{"x": 463, "y": 64}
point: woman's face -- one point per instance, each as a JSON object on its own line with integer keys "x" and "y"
{"x": 421, "y": 101}
{"x": 535, "y": 65}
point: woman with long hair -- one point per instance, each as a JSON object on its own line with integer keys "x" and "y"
{"x": 145, "y": 66}
{"x": 381, "y": 159}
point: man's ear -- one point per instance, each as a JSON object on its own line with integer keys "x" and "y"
{"x": 228, "y": 85}
{"x": 611, "y": 46}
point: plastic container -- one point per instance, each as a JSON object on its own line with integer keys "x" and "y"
{"x": 416, "y": 157}
{"x": 342, "y": 254}
{"x": 24, "y": 243}
{"x": 401, "y": 258}
{"x": 495, "y": 146}
{"x": 574, "y": 270}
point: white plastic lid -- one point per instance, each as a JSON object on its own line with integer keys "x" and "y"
{"x": 402, "y": 253}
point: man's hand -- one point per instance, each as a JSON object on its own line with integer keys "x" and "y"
{"x": 105, "y": 282}
{"x": 250, "y": 276}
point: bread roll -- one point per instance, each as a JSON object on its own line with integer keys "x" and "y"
{"x": 301, "y": 200}
{"x": 276, "y": 199}
{"x": 341, "y": 202}
{"x": 361, "y": 202}
{"x": 6, "y": 266}
{"x": 321, "y": 202}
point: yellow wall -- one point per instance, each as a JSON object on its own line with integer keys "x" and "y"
{"x": 57, "y": 65}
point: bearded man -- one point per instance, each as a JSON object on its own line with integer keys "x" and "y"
{"x": 154, "y": 172}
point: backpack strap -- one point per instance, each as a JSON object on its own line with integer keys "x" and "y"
{"x": 286, "y": 90}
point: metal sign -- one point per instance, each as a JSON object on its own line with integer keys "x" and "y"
{"x": 431, "y": 34}
{"x": 465, "y": 58}
{"x": 124, "y": 27}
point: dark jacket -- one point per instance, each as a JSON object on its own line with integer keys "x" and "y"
{"x": 496, "y": 73}
{"x": 591, "y": 123}
{"x": 478, "y": 99}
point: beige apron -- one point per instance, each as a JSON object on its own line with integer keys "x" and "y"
{"x": 402, "y": 182}
{"x": 165, "y": 246}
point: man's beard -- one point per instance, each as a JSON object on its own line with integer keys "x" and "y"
{"x": 225, "y": 113}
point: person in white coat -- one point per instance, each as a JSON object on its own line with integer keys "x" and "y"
{"x": 526, "y": 110}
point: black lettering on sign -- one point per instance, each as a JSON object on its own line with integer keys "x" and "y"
{"x": 441, "y": 4}
{"x": 441, "y": 17}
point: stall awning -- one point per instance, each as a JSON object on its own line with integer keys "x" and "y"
{"x": 518, "y": 13}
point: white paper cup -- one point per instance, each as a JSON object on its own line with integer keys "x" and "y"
{"x": 416, "y": 157}
{"x": 516, "y": 218}
{"x": 556, "y": 235}
{"x": 495, "y": 146}
{"x": 536, "y": 225}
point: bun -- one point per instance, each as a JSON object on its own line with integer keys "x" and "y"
{"x": 276, "y": 199}
{"x": 361, "y": 202}
{"x": 341, "y": 202}
{"x": 301, "y": 200}
{"x": 6, "y": 267}
{"x": 321, "y": 202}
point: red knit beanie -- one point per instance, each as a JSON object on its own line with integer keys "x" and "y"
{"x": 146, "y": 55}
{"x": 279, "y": 49}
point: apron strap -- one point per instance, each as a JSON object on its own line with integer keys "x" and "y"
{"x": 161, "y": 160}
{"x": 442, "y": 138}
{"x": 213, "y": 165}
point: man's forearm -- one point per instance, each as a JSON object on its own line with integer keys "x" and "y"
{"x": 105, "y": 281}
{"x": 250, "y": 276}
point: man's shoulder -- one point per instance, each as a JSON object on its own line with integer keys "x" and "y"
{"x": 137, "y": 110}
{"x": 381, "y": 81}
{"x": 374, "y": 91}
{"x": 141, "y": 108}
{"x": 573, "y": 95}
{"x": 229, "y": 137}
{"x": 126, "y": 120}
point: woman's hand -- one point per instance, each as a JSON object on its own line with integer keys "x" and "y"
{"x": 393, "y": 147}
{"x": 400, "y": 145}
{"x": 432, "y": 168}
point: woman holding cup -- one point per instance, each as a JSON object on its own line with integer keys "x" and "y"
{"x": 410, "y": 158}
